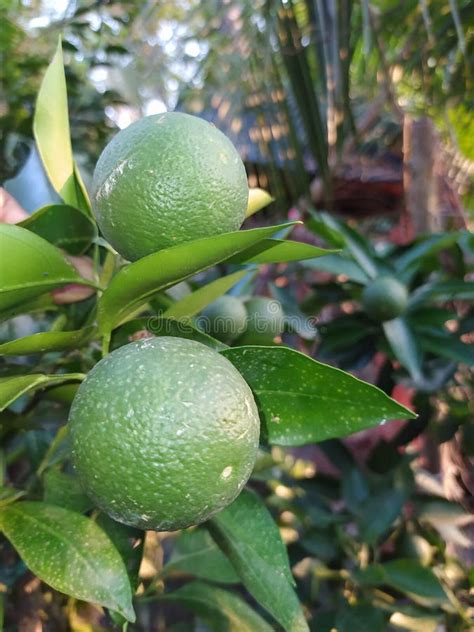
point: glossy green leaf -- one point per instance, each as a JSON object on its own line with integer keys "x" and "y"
{"x": 128, "y": 541}
{"x": 258, "y": 199}
{"x": 303, "y": 401}
{"x": 162, "y": 327}
{"x": 404, "y": 346}
{"x": 31, "y": 266}
{"x": 64, "y": 226}
{"x": 193, "y": 303}
{"x": 222, "y": 610}
{"x": 70, "y": 553}
{"x": 51, "y": 129}
{"x": 65, "y": 491}
{"x": 278, "y": 251}
{"x": 196, "y": 553}
{"x": 247, "y": 534}
{"x": 338, "y": 264}
{"x": 40, "y": 304}
{"x": 11, "y": 388}
{"x": 10, "y": 495}
{"x": 46, "y": 342}
{"x": 139, "y": 281}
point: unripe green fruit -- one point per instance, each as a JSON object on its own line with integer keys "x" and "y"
{"x": 224, "y": 319}
{"x": 265, "y": 321}
{"x": 167, "y": 179}
{"x": 164, "y": 433}
{"x": 385, "y": 298}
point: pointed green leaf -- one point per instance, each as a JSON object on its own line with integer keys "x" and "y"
{"x": 65, "y": 491}
{"x": 337, "y": 264}
{"x": 278, "y": 251}
{"x": 196, "y": 553}
{"x": 220, "y": 609}
{"x": 139, "y": 281}
{"x": 303, "y": 401}
{"x": 404, "y": 346}
{"x": 64, "y": 226}
{"x": 247, "y": 534}
{"x": 69, "y": 552}
{"x": 51, "y": 129}
{"x": 163, "y": 327}
{"x": 193, "y": 303}
{"x": 11, "y": 388}
{"x": 31, "y": 266}
{"x": 46, "y": 342}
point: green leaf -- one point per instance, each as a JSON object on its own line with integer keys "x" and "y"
{"x": 64, "y": 226}
{"x": 196, "y": 553}
{"x": 139, "y": 281}
{"x": 442, "y": 291}
{"x": 406, "y": 575}
{"x": 360, "y": 618}
{"x": 441, "y": 343}
{"x": 65, "y": 491}
{"x": 70, "y": 553}
{"x": 31, "y": 266}
{"x": 303, "y": 401}
{"x": 413, "y": 258}
{"x": 359, "y": 247}
{"x": 222, "y": 610}
{"x": 128, "y": 541}
{"x": 404, "y": 346}
{"x": 163, "y": 327}
{"x": 11, "y": 388}
{"x": 47, "y": 341}
{"x": 379, "y": 513}
{"x": 40, "y": 304}
{"x": 258, "y": 199}
{"x": 278, "y": 251}
{"x": 51, "y": 129}
{"x": 247, "y": 534}
{"x": 193, "y": 303}
{"x": 338, "y": 264}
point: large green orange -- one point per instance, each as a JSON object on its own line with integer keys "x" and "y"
{"x": 164, "y": 433}
{"x": 224, "y": 319}
{"x": 385, "y": 298}
{"x": 167, "y": 179}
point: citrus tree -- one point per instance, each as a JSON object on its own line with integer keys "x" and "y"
{"x": 164, "y": 433}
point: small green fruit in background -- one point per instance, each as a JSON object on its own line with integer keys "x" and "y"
{"x": 224, "y": 319}
{"x": 265, "y": 321}
{"x": 385, "y": 298}
{"x": 164, "y": 432}
{"x": 167, "y": 179}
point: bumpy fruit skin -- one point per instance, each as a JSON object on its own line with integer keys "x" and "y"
{"x": 167, "y": 179}
{"x": 385, "y": 298}
{"x": 224, "y": 319}
{"x": 265, "y": 320}
{"x": 164, "y": 433}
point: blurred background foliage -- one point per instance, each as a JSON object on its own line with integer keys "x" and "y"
{"x": 310, "y": 91}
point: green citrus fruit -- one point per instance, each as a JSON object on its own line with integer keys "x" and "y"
{"x": 385, "y": 298}
{"x": 164, "y": 433}
{"x": 224, "y": 319}
{"x": 265, "y": 320}
{"x": 167, "y": 179}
